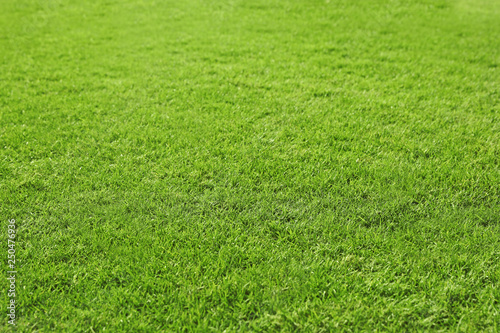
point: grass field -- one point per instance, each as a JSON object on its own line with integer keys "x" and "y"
{"x": 259, "y": 165}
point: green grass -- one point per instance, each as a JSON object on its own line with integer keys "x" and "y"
{"x": 260, "y": 165}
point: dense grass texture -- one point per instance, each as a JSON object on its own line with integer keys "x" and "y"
{"x": 252, "y": 165}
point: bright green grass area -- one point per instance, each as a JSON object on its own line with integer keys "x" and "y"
{"x": 259, "y": 165}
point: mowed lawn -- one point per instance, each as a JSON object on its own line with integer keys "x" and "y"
{"x": 251, "y": 165}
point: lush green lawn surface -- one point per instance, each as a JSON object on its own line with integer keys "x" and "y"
{"x": 259, "y": 165}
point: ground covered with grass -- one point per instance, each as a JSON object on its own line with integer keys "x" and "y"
{"x": 260, "y": 165}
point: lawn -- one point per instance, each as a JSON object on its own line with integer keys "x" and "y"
{"x": 258, "y": 165}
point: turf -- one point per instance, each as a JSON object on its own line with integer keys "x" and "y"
{"x": 261, "y": 165}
